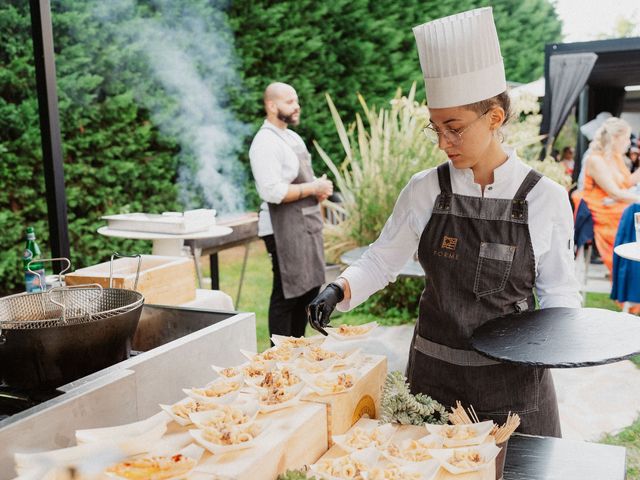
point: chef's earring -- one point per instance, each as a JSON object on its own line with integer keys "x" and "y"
{"x": 497, "y": 133}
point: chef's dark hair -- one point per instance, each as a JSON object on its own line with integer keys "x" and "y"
{"x": 502, "y": 100}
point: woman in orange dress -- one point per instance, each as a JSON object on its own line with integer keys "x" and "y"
{"x": 606, "y": 183}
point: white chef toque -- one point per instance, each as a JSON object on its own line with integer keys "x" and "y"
{"x": 460, "y": 58}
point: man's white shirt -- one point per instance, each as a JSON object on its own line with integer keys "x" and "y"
{"x": 274, "y": 165}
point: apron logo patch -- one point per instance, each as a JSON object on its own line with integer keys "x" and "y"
{"x": 447, "y": 248}
{"x": 449, "y": 243}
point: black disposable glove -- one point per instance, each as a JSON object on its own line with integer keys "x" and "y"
{"x": 320, "y": 308}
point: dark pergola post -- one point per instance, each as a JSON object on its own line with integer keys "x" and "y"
{"x": 42, "y": 34}
{"x": 546, "y": 101}
{"x": 583, "y": 142}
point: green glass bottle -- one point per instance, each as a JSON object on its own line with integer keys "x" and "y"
{"x": 33, "y": 282}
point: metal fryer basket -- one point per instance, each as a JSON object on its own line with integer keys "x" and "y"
{"x": 72, "y": 305}
{"x": 78, "y": 305}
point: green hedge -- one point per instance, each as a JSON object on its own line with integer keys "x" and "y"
{"x": 346, "y": 47}
{"x": 114, "y": 158}
{"x": 117, "y": 159}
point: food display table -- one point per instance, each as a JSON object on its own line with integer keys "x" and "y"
{"x": 560, "y": 337}
{"x": 303, "y": 432}
{"x": 630, "y": 251}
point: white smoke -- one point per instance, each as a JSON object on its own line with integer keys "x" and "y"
{"x": 193, "y": 59}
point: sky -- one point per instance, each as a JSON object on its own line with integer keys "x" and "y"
{"x": 584, "y": 20}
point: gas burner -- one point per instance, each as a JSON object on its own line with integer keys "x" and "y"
{"x": 14, "y": 400}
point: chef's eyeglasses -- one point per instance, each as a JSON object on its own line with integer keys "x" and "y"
{"x": 452, "y": 136}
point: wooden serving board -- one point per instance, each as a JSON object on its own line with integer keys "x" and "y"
{"x": 295, "y": 437}
{"x": 363, "y": 399}
{"x": 415, "y": 432}
{"x": 163, "y": 280}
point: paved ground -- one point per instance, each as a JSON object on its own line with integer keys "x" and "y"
{"x": 593, "y": 400}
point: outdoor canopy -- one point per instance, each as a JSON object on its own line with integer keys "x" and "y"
{"x": 568, "y": 74}
{"x": 617, "y": 66}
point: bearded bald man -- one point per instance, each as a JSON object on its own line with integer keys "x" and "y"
{"x": 290, "y": 222}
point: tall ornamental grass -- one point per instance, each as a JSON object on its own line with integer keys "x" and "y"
{"x": 521, "y": 133}
{"x": 383, "y": 148}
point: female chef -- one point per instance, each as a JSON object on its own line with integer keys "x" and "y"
{"x": 489, "y": 231}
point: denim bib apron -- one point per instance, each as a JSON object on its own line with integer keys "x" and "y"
{"x": 479, "y": 264}
{"x": 297, "y": 228}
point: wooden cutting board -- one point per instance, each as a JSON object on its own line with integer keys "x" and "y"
{"x": 162, "y": 280}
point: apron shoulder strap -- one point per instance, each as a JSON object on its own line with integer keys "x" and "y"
{"x": 527, "y": 184}
{"x": 519, "y": 203}
{"x": 443, "y": 201}
{"x": 444, "y": 178}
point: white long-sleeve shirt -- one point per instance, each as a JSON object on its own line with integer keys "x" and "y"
{"x": 274, "y": 165}
{"x": 550, "y": 227}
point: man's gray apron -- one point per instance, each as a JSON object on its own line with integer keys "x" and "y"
{"x": 479, "y": 264}
{"x": 297, "y": 228}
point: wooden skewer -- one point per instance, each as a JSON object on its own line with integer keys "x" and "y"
{"x": 472, "y": 412}
{"x": 459, "y": 415}
{"x": 503, "y": 433}
{"x": 500, "y": 433}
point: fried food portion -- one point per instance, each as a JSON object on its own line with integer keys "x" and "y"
{"x": 342, "y": 383}
{"x": 415, "y": 451}
{"x": 458, "y": 432}
{"x": 230, "y": 435}
{"x": 216, "y": 390}
{"x": 183, "y": 410}
{"x": 153, "y": 468}
{"x": 465, "y": 460}
{"x": 280, "y": 378}
{"x": 353, "y": 330}
{"x": 226, "y": 416}
{"x": 275, "y": 396}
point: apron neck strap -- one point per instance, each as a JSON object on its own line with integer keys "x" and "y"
{"x": 527, "y": 184}
{"x": 446, "y": 192}
{"x": 444, "y": 178}
{"x": 519, "y": 203}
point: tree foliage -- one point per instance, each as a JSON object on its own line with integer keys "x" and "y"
{"x": 114, "y": 158}
{"x": 345, "y": 47}
{"x": 117, "y": 159}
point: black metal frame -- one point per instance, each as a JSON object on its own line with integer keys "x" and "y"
{"x": 42, "y": 34}
{"x": 628, "y": 45}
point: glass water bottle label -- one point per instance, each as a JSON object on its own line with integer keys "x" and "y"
{"x": 33, "y": 282}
